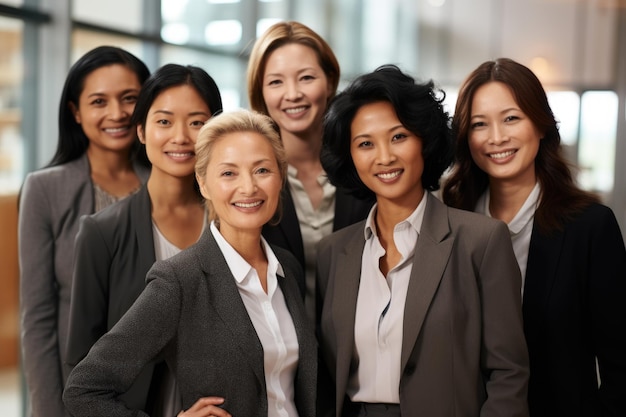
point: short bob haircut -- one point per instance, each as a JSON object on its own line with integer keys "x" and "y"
{"x": 234, "y": 122}
{"x": 72, "y": 141}
{"x": 418, "y": 107}
{"x": 280, "y": 34}
{"x": 560, "y": 197}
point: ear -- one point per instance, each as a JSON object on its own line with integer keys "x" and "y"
{"x": 141, "y": 135}
{"x": 74, "y": 111}
{"x": 203, "y": 190}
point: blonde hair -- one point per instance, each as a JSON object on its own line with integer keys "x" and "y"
{"x": 280, "y": 34}
{"x": 234, "y": 122}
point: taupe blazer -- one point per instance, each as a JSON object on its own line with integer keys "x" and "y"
{"x": 52, "y": 200}
{"x": 463, "y": 348}
{"x": 192, "y": 316}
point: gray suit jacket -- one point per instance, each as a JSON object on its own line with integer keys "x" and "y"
{"x": 192, "y": 316}
{"x": 52, "y": 200}
{"x": 114, "y": 251}
{"x": 463, "y": 348}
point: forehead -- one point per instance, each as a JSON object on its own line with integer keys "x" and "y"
{"x": 110, "y": 79}
{"x": 292, "y": 56}
{"x": 493, "y": 95}
{"x": 241, "y": 147}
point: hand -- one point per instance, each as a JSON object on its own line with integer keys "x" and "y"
{"x": 206, "y": 407}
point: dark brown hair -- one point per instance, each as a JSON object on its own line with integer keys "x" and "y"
{"x": 560, "y": 197}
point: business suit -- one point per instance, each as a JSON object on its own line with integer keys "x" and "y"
{"x": 463, "y": 349}
{"x": 191, "y": 314}
{"x": 574, "y": 310}
{"x": 52, "y": 200}
{"x": 114, "y": 251}
{"x": 287, "y": 235}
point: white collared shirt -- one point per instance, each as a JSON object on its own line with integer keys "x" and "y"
{"x": 272, "y": 322}
{"x": 379, "y": 316}
{"x": 314, "y": 225}
{"x": 520, "y": 228}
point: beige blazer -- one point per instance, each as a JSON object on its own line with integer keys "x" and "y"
{"x": 463, "y": 348}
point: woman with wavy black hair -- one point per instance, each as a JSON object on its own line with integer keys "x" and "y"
{"x": 419, "y": 304}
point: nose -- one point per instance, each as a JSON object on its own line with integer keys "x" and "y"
{"x": 118, "y": 110}
{"x": 385, "y": 155}
{"x": 247, "y": 184}
{"x": 498, "y": 135}
{"x": 180, "y": 134}
{"x": 293, "y": 91}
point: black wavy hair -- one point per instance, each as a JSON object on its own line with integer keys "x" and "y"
{"x": 418, "y": 107}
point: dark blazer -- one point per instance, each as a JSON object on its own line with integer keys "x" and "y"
{"x": 463, "y": 348}
{"x": 114, "y": 251}
{"x": 286, "y": 234}
{"x": 191, "y": 314}
{"x": 574, "y": 312}
{"x": 52, "y": 200}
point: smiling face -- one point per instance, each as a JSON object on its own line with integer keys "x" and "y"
{"x": 295, "y": 89}
{"x": 387, "y": 156}
{"x": 503, "y": 141}
{"x": 105, "y": 105}
{"x": 174, "y": 119}
{"x": 242, "y": 187}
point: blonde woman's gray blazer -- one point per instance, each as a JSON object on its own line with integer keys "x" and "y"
{"x": 192, "y": 316}
{"x": 52, "y": 200}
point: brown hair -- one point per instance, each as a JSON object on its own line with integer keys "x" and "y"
{"x": 560, "y": 196}
{"x": 233, "y": 122}
{"x": 280, "y": 34}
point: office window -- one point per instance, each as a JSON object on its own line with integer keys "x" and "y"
{"x": 11, "y": 81}
{"x": 125, "y": 15}
{"x": 598, "y": 131}
{"x": 83, "y": 41}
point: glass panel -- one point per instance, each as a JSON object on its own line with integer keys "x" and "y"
{"x": 228, "y": 72}
{"x": 11, "y": 141}
{"x": 126, "y": 15}
{"x": 566, "y": 108}
{"x": 84, "y": 41}
{"x": 598, "y": 130}
{"x": 13, "y": 2}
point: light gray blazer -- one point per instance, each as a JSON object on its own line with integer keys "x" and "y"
{"x": 52, "y": 200}
{"x": 192, "y": 316}
{"x": 463, "y": 349}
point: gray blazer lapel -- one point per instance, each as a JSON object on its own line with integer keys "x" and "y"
{"x": 429, "y": 263}
{"x": 346, "y": 288}
{"x": 227, "y": 302}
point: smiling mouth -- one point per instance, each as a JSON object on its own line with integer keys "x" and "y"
{"x": 116, "y": 129}
{"x": 295, "y": 110}
{"x": 248, "y": 205}
{"x": 180, "y": 154}
{"x": 389, "y": 175}
{"x": 501, "y": 155}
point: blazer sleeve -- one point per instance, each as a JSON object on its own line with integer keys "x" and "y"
{"x": 39, "y": 300}
{"x": 607, "y": 305}
{"x": 90, "y": 282}
{"x": 504, "y": 357}
{"x": 117, "y": 358}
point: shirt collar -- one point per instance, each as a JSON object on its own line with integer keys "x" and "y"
{"x": 414, "y": 220}
{"x": 523, "y": 216}
{"x": 238, "y": 266}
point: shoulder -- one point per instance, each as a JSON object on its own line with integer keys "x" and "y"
{"x": 60, "y": 176}
{"x": 287, "y": 260}
{"x": 594, "y": 221}
{"x": 342, "y": 237}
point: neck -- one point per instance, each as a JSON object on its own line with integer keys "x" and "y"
{"x": 389, "y": 214}
{"x": 507, "y": 198}
{"x": 168, "y": 191}
{"x": 246, "y": 242}
{"x": 108, "y": 163}
{"x": 303, "y": 150}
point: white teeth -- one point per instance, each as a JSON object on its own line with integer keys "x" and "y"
{"x": 116, "y": 130}
{"x": 501, "y": 155}
{"x": 296, "y": 110}
{"x": 389, "y": 175}
{"x": 179, "y": 155}
{"x": 248, "y": 205}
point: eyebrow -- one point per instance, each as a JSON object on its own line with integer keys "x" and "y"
{"x": 169, "y": 112}
{"x": 368, "y": 135}
{"x": 254, "y": 163}
{"x": 279, "y": 74}
{"x": 100, "y": 93}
